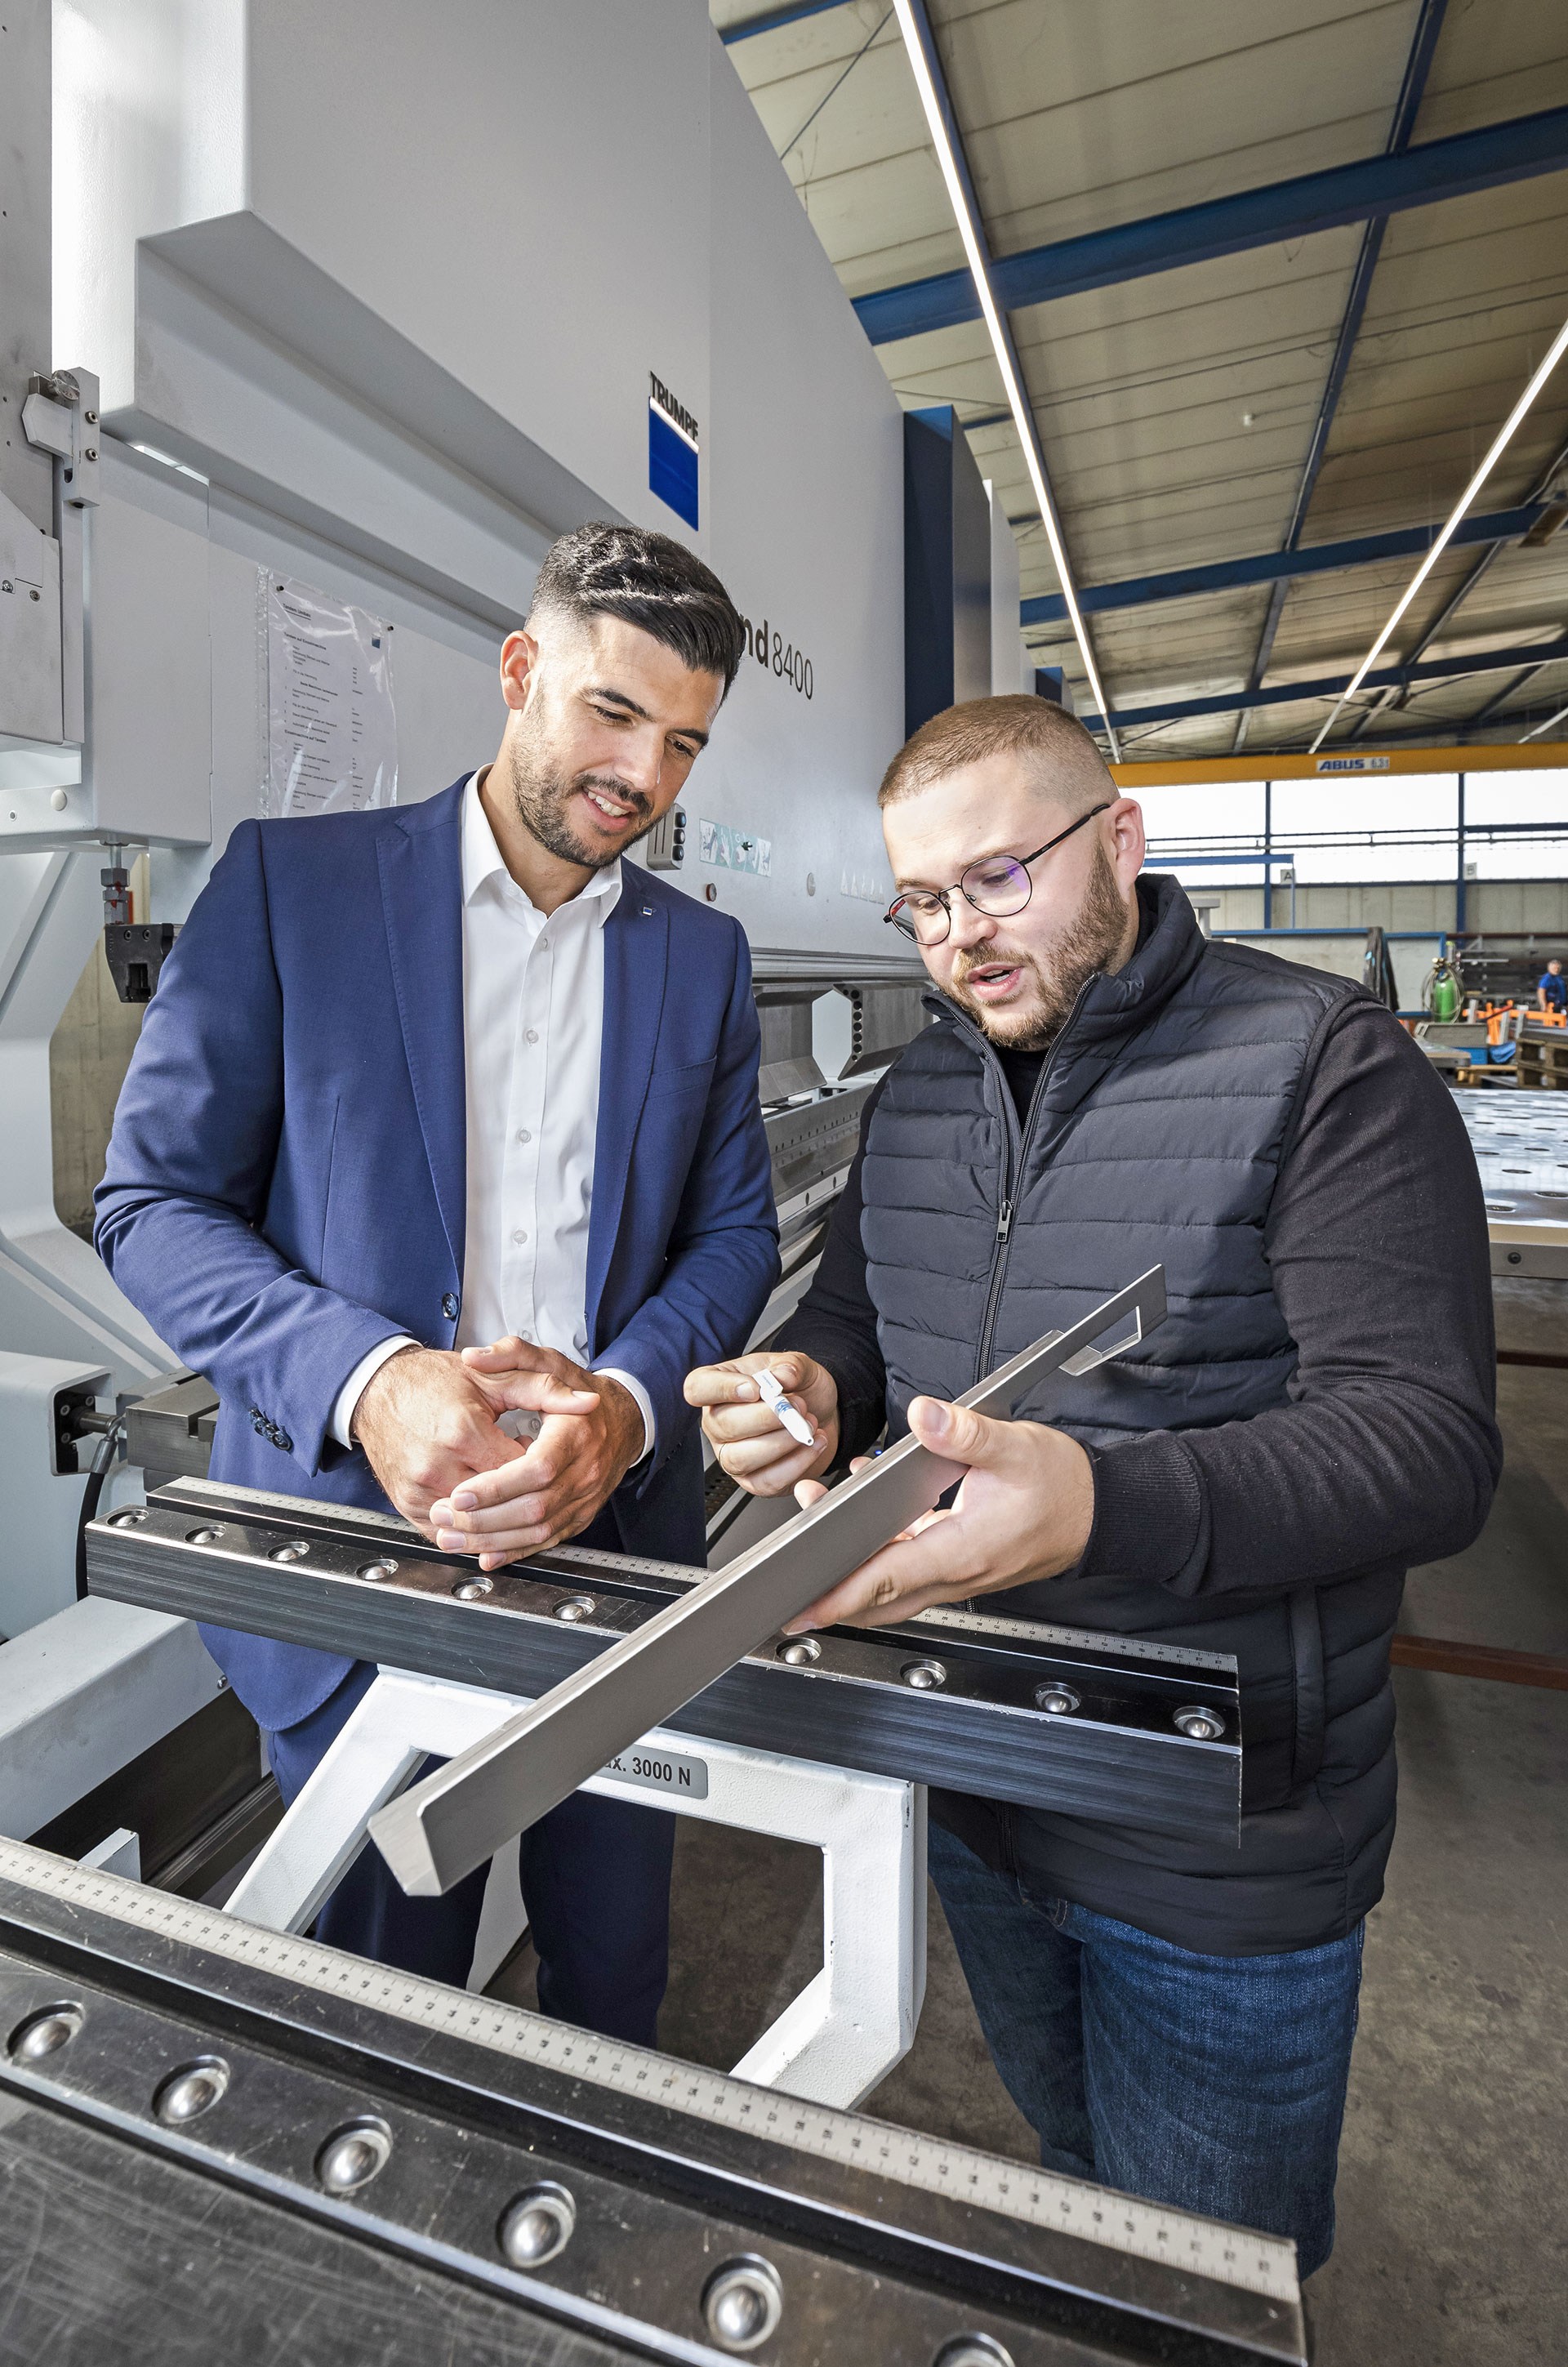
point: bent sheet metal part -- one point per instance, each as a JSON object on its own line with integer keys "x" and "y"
{"x": 457, "y": 1818}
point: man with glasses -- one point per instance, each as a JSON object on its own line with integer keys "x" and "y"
{"x": 1106, "y": 1089}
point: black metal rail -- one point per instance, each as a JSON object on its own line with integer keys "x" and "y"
{"x": 1048, "y": 1718}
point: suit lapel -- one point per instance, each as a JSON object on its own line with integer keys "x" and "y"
{"x": 421, "y": 897}
{"x": 636, "y": 944}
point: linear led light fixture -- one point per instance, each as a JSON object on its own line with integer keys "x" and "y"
{"x": 1500, "y": 445}
{"x": 915, "y": 26}
{"x": 1543, "y": 727}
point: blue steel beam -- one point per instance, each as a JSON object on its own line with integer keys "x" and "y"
{"x": 1289, "y": 694}
{"x": 1274, "y": 566}
{"x": 769, "y": 21}
{"x": 1376, "y": 186}
{"x": 1406, "y": 106}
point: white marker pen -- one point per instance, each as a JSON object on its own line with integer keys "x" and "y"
{"x": 779, "y": 1406}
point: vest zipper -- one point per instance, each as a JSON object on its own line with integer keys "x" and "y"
{"x": 1005, "y": 1215}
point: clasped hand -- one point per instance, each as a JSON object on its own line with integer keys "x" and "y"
{"x": 427, "y": 1422}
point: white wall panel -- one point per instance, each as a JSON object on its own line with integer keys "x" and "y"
{"x": 147, "y": 758}
{"x": 149, "y": 131}
{"x": 398, "y": 278}
{"x": 805, "y": 468}
{"x": 518, "y": 187}
{"x": 445, "y": 684}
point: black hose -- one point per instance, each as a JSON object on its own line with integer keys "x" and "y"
{"x": 108, "y": 1447}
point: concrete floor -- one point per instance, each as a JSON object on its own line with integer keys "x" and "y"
{"x": 1451, "y": 2189}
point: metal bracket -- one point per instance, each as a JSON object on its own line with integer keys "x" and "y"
{"x": 457, "y": 1817}
{"x": 169, "y": 1428}
{"x": 44, "y": 644}
{"x": 60, "y": 415}
{"x": 136, "y": 953}
{"x": 664, "y": 848}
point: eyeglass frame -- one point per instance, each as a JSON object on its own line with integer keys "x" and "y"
{"x": 958, "y": 888}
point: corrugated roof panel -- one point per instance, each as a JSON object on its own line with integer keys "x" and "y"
{"x": 1176, "y": 409}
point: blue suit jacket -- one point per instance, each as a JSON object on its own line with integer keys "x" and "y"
{"x": 287, "y": 1183}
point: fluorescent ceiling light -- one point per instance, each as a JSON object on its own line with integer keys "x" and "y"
{"x": 1544, "y": 727}
{"x": 1500, "y": 445}
{"x": 915, "y": 28}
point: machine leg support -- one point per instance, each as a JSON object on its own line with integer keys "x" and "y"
{"x": 847, "y": 2027}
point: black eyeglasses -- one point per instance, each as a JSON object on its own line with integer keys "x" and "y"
{"x": 997, "y": 885}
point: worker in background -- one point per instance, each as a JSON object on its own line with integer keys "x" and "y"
{"x": 1552, "y": 988}
{"x": 1104, "y": 1090}
{"x": 416, "y": 1079}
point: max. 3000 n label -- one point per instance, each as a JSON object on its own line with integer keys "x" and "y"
{"x": 663, "y": 1771}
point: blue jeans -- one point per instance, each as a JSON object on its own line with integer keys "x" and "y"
{"x": 595, "y": 1882}
{"x": 1213, "y": 2083}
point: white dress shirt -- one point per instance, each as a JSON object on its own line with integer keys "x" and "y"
{"x": 533, "y": 1020}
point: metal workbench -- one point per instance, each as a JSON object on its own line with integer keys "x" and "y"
{"x": 219, "y": 2143}
{"x": 1521, "y": 1141}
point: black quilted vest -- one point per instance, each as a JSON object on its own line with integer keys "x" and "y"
{"x": 1154, "y": 1136}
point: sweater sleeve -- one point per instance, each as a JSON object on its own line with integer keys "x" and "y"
{"x": 1387, "y": 1453}
{"x": 836, "y": 1322}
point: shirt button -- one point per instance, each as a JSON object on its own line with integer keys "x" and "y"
{"x": 523, "y": 1135}
{"x": 519, "y": 1235}
{"x": 530, "y": 1035}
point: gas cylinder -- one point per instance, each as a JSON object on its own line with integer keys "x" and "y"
{"x": 1442, "y": 992}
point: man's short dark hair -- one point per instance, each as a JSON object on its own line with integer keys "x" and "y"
{"x": 648, "y": 580}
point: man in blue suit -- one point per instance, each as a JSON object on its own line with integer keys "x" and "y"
{"x": 450, "y": 1110}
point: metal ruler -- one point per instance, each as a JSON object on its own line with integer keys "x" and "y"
{"x": 457, "y": 1818}
{"x": 1079, "y": 1639}
{"x": 1178, "y": 2240}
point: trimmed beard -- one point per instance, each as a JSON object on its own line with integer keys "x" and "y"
{"x": 540, "y": 791}
{"x": 1060, "y": 971}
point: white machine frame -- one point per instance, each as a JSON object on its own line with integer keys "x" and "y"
{"x": 832, "y": 2044}
{"x": 265, "y": 377}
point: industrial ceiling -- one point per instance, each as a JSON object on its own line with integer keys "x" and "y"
{"x": 1276, "y": 273}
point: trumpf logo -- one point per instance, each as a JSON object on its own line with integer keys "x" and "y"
{"x": 672, "y": 451}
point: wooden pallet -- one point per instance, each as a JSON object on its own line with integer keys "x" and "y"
{"x": 1450, "y": 1659}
